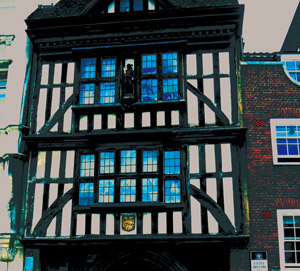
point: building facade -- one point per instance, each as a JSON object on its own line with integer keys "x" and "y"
{"x": 270, "y": 95}
{"x": 135, "y": 156}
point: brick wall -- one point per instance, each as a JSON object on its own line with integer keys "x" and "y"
{"x": 268, "y": 93}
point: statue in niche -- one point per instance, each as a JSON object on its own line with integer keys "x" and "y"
{"x": 128, "y": 80}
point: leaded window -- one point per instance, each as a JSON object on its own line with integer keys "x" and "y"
{"x": 108, "y": 67}
{"x": 86, "y": 193}
{"x": 149, "y": 64}
{"x": 87, "y": 93}
{"x": 149, "y": 90}
{"x": 137, "y": 5}
{"x": 107, "y": 162}
{"x": 106, "y": 191}
{"x": 172, "y": 162}
{"x": 172, "y": 191}
{"x": 107, "y": 92}
{"x": 170, "y": 89}
{"x": 88, "y": 68}
{"x": 150, "y": 161}
{"x": 87, "y": 163}
{"x": 150, "y": 190}
{"x": 169, "y": 61}
{"x": 124, "y": 5}
{"x": 128, "y": 190}
{"x": 128, "y": 161}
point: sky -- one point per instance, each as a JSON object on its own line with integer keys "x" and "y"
{"x": 266, "y": 22}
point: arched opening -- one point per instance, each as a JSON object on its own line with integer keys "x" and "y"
{"x": 139, "y": 260}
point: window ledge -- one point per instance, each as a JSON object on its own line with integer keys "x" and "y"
{"x": 130, "y": 207}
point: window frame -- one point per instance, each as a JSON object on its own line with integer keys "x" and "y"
{"x": 280, "y": 215}
{"x": 278, "y": 159}
{"x": 156, "y": 194}
{"x": 291, "y": 58}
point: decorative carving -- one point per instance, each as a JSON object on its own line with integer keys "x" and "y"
{"x": 7, "y": 254}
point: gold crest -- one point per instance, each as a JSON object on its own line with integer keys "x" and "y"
{"x": 128, "y": 223}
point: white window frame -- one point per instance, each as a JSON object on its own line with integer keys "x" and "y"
{"x": 282, "y": 122}
{"x": 284, "y": 59}
{"x": 280, "y": 214}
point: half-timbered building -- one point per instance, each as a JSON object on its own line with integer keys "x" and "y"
{"x": 135, "y": 153}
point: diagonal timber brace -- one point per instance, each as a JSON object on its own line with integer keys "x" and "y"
{"x": 57, "y": 115}
{"x": 43, "y": 224}
{"x": 217, "y": 212}
{"x": 219, "y": 114}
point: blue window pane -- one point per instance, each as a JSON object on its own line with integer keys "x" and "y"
{"x": 128, "y": 161}
{"x": 291, "y": 131}
{"x": 172, "y": 191}
{"x": 87, "y": 165}
{"x": 138, "y": 5}
{"x": 293, "y": 150}
{"x": 281, "y": 149}
{"x": 298, "y": 65}
{"x": 149, "y": 90}
{"x": 87, "y": 94}
{"x": 149, "y": 64}
{"x": 290, "y": 65}
{"x": 150, "y": 161}
{"x": 170, "y": 89}
{"x": 107, "y": 92}
{"x": 88, "y": 68}
{"x": 280, "y": 128}
{"x": 298, "y": 77}
{"x": 108, "y": 67}
{"x": 128, "y": 190}
{"x": 28, "y": 263}
{"x": 288, "y": 221}
{"x": 172, "y": 162}
{"x": 106, "y": 162}
{"x": 169, "y": 62}
{"x": 293, "y": 75}
{"x": 106, "y": 191}
{"x": 150, "y": 190}
{"x": 124, "y": 5}
{"x": 282, "y": 141}
{"x": 86, "y": 193}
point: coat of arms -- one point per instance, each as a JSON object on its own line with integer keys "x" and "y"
{"x": 128, "y": 223}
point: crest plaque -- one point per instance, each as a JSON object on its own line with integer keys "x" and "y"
{"x": 128, "y": 222}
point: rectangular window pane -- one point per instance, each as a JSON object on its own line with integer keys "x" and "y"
{"x": 106, "y": 162}
{"x": 87, "y": 93}
{"x": 172, "y": 162}
{"x": 150, "y": 189}
{"x": 149, "y": 64}
{"x": 138, "y": 5}
{"x": 169, "y": 62}
{"x": 107, "y": 92}
{"x": 106, "y": 191}
{"x": 86, "y": 193}
{"x": 291, "y": 65}
{"x": 87, "y": 165}
{"x": 124, "y": 5}
{"x": 128, "y": 190}
{"x": 150, "y": 161}
{"x": 170, "y": 89}
{"x": 108, "y": 67}
{"x": 88, "y": 68}
{"x": 149, "y": 90}
{"x": 128, "y": 161}
{"x": 172, "y": 191}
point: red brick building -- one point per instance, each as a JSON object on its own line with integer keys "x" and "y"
{"x": 270, "y": 98}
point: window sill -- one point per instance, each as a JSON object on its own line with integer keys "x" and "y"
{"x": 130, "y": 207}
